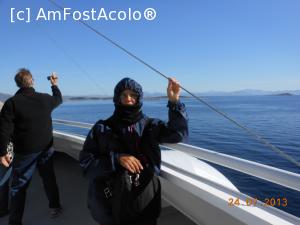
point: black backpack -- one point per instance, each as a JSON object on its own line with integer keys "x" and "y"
{"x": 134, "y": 196}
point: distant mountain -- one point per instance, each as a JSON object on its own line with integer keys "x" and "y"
{"x": 156, "y": 95}
{"x": 285, "y": 94}
{"x": 3, "y": 97}
{"x": 86, "y": 97}
{"x": 79, "y": 98}
{"x": 295, "y": 92}
{"x": 247, "y": 92}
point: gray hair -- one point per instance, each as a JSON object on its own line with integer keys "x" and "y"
{"x": 23, "y": 78}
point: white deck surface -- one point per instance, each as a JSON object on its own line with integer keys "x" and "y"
{"x": 73, "y": 191}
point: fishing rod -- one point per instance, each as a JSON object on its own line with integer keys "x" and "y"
{"x": 72, "y": 59}
{"x": 243, "y": 127}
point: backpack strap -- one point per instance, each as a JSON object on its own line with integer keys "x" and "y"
{"x": 101, "y": 133}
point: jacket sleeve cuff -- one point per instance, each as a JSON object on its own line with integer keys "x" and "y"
{"x": 176, "y": 105}
{"x": 3, "y": 153}
{"x": 115, "y": 159}
{"x": 55, "y": 88}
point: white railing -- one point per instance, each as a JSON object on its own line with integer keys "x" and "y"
{"x": 269, "y": 173}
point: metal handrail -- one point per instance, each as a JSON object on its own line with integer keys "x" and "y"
{"x": 73, "y": 123}
{"x": 269, "y": 173}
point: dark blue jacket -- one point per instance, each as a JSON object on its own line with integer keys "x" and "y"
{"x": 102, "y": 146}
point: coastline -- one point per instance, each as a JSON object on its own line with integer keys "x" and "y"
{"x": 83, "y": 98}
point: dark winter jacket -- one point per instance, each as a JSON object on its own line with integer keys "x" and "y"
{"x": 102, "y": 144}
{"x": 27, "y": 118}
{"x": 108, "y": 139}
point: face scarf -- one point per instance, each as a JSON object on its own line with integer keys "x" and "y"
{"x": 128, "y": 114}
{"x": 123, "y": 113}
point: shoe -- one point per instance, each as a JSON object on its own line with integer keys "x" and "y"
{"x": 55, "y": 212}
{"x": 4, "y": 213}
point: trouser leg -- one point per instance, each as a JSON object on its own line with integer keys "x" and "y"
{"x": 4, "y": 197}
{"x": 23, "y": 169}
{"x": 46, "y": 171}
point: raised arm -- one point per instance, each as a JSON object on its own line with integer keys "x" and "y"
{"x": 176, "y": 129}
{"x": 56, "y": 94}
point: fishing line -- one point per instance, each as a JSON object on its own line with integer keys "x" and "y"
{"x": 72, "y": 59}
{"x": 250, "y": 132}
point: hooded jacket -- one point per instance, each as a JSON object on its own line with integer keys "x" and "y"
{"x": 110, "y": 138}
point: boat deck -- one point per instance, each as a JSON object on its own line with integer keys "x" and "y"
{"x": 73, "y": 191}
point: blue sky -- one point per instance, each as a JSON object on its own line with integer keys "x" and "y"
{"x": 208, "y": 45}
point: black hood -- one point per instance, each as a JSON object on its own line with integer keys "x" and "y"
{"x": 130, "y": 84}
{"x": 124, "y": 113}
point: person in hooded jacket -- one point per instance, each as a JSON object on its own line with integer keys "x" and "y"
{"x": 134, "y": 143}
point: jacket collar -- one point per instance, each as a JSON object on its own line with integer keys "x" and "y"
{"x": 26, "y": 91}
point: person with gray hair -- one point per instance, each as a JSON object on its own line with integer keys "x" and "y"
{"x": 26, "y": 117}
{"x": 4, "y": 187}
